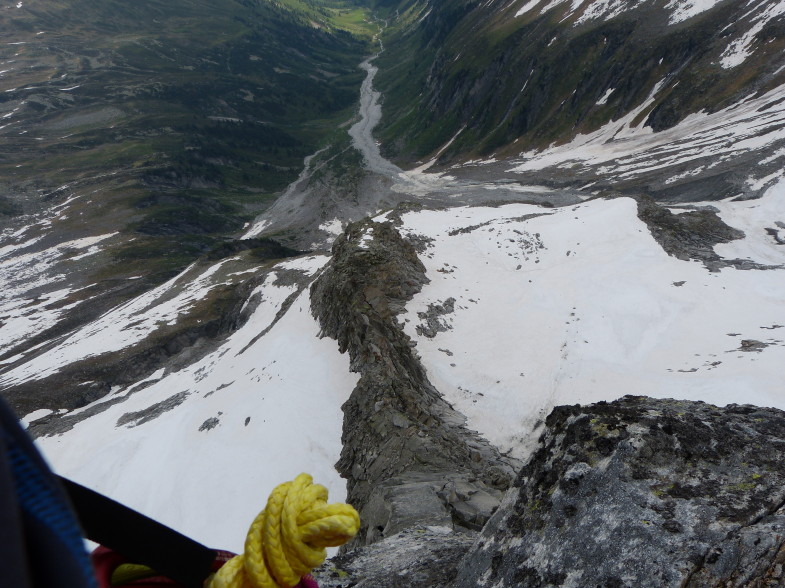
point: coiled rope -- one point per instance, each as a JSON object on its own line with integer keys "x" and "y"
{"x": 289, "y": 537}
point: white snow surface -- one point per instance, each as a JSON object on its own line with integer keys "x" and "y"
{"x": 580, "y": 304}
{"x": 590, "y": 10}
{"x": 527, "y": 7}
{"x": 684, "y": 9}
{"x": 276, "y": 400}
{"x": 754, "y": 217}
{"x": 624, "y": 150}
{"x": 31, "y": 283}
{"x": 334, "y": 226}
{"x": 742, "y": 47}
{"x": 604, "y": 98}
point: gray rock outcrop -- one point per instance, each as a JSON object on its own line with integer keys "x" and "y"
{"x": 633, "y": 493}
{"x": 642, "y": 492}
{"x": 407, "y": 456}
{"x": 421, "y": 556}
{"x": 692, "y": 234}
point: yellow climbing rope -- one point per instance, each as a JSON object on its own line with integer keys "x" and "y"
{"x": 288, "y": 538}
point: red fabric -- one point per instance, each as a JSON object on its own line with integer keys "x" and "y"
{"x": 307, "y": 582}
{"x": 106, "y": 561}
{"x": 221, "y": 557}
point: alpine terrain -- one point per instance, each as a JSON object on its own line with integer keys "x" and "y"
{"x": 507, "y": 276}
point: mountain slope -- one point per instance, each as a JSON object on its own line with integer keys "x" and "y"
{"x": 198, "y": 366}
{"x": 138, "y": 137}
{"x": 468, "y": 81}
{"x": 214, "y": 437}
{"x": 526, "y": 308}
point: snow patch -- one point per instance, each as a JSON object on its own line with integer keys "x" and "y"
{"x": 444, "y": 147}
{"x": 684, "y": 9}
{"x": 741, "y": 48}
{"x": 604, "y": 98}
{"x": 334, "y": 227}
{"x": 35, "y": 415}
{"x": 553, "y": 308}
{"x": 527, "y": 7}
{"x": 366, "y": 239}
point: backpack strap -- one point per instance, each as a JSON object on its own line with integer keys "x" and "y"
{"x": 41, "y": 543}
{"x": 139, "y": 538}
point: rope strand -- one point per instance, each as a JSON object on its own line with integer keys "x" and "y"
{"x": 289, "y": 537}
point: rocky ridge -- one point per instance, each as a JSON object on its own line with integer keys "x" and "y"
{"x": 407, "y": 454}
{"x": 636, "y": 492}
{"x": 633, "y": 493}
{"x": 643, "y": 492}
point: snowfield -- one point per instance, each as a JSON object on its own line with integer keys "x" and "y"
{"x": 256, "y": 412}
{"x": 580, "y": 304}
{"x": 549, "y": 306}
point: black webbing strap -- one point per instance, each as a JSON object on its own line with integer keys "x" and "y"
{"x": 140, "y": 539}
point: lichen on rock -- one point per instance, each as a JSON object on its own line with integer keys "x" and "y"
{"x": 642, "y": 492}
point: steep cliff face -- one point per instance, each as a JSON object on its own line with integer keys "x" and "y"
{"x": 407, "y": 455}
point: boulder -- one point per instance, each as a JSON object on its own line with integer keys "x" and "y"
{"x": 642, "y": 492}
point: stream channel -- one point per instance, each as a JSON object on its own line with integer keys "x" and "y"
{"x": 310, "y": 212}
